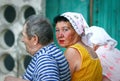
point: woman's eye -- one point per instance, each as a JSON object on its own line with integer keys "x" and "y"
{"x": 65, "y": 29}
{"x": 57, "y": 30}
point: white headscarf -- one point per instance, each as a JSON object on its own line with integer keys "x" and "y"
{"x": 100, "y": 37}
{"x": 78, "y": 22}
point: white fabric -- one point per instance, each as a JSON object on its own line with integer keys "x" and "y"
{"x": 79, "y": 24}
{"x": 77, "y": 21}
{"x": 108, "y": 54}
{"x": 100, "y": 37}
{"x": 110, "y": 60}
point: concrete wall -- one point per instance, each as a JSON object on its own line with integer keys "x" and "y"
{"x": 13, "y": 56}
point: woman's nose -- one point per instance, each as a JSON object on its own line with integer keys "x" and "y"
{"x": 61, "y": 34}
{"x": 22, "y": 39}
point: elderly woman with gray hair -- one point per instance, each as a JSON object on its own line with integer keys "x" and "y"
{"x": 48, "y": 62}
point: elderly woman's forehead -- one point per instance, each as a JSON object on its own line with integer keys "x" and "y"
{"x": 24, "y": 27}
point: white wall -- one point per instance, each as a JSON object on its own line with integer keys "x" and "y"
{"x": 12, "y": 50}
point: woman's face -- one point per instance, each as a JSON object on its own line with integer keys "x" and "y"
{"x": 28, "y": 42}
{"x": 65, "y": 34}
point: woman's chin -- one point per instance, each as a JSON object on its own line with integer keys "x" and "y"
{"x": 62, "y": 45}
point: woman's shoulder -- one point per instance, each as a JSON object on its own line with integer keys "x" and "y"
{"x": 72, "y": 52}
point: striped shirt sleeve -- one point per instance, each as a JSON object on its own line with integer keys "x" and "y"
{"x": 46, "y": 69}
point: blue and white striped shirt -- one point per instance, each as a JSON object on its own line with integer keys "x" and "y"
{"x": 48, "y": 64}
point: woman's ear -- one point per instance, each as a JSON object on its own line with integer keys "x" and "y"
{"x": 35, "y": 39}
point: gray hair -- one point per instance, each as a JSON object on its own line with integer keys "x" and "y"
{"x": 40, "y": 26}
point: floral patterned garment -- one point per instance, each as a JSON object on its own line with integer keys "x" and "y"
{"x": 110, "y": 60}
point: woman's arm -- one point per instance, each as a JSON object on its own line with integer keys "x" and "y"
{"x": 11, "y": 78}
{"x": 74, "y": 59}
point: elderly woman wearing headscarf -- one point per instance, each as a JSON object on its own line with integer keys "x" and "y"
{"x": 83, "y": 61}
{"x": 109, "y": 56}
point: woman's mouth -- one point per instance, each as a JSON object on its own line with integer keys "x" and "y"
{"x": 61, "y": 41}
